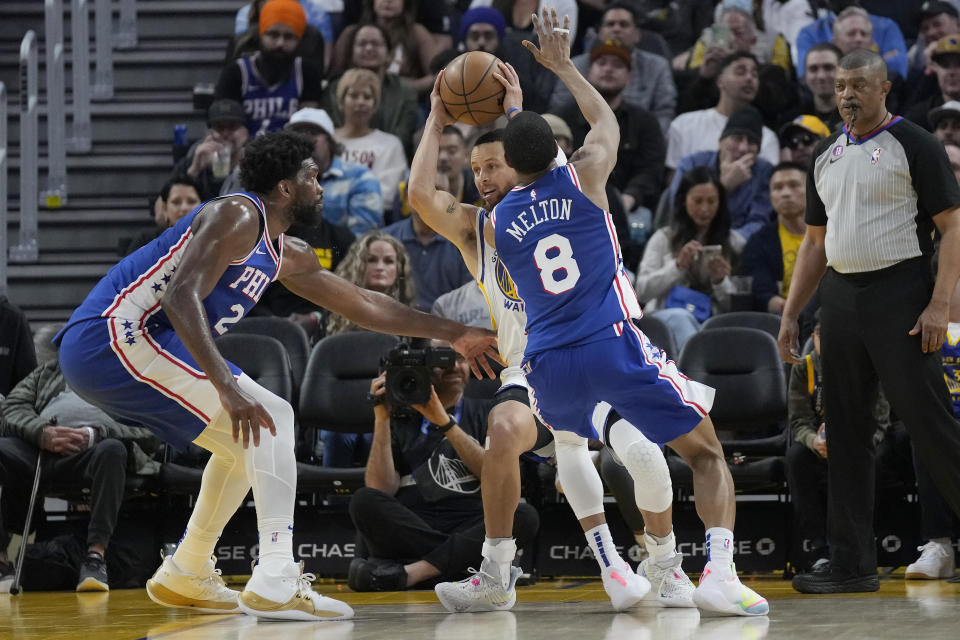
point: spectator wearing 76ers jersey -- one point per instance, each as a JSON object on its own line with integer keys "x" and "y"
{"x": 358, "y": 95}
{"x": 273, "y": 82}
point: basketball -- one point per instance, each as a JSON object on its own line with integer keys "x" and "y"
{"x": 469, "y": 91}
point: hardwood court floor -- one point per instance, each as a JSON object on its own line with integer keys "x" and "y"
{"x": 550, "y": 610}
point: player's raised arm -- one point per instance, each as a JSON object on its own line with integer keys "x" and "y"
{"x": 303, "y": 275}
{"x": 439, "y": 209}
{"x": 599, "y": 152}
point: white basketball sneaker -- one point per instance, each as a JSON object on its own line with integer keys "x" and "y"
{"x": 479, "y": 592}
{"x": 721, "y": 591}
{"x": 670, "y": 586}
{"x": 936, "y": 561}
{"x": 204, "y": 593}
{"x": 624, "y": 587}
{"x": 289, "y": 595}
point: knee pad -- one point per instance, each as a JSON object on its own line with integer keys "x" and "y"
{"x": 651, "y": 478}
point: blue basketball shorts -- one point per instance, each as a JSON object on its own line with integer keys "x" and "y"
{"x": 140, "y": 375}
{"x": 627, "y": 371}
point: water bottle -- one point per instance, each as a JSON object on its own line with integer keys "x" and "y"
{"x": 180, "y": 146}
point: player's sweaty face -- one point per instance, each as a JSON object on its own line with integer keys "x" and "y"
{"x": 492, "y": 175}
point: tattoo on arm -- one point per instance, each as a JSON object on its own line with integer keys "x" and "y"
{"x": 452, "y": 208}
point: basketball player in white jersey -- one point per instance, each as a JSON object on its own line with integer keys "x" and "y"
{"x": 511, "y": 428}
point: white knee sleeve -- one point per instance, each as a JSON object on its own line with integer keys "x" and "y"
{"x": 647, "y": 466}
{"x": 578, "y": 476}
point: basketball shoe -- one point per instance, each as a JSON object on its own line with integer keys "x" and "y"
{"x": 479, "y": 592}
{"x": 205, "y": 592}
{"x": 289, "y": 595}
{"x": 721, "y": 591}
{"x": 669, "y": 585}
{"x": 936, "y": 561}
{"x": 624, "y": 587}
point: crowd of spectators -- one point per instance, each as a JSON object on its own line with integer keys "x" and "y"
{"x": 720, "y": 106}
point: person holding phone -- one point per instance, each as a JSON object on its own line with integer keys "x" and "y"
{"x": 684, "y": 275}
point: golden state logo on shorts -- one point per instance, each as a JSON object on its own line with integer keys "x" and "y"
{"x": 512, "y": 300}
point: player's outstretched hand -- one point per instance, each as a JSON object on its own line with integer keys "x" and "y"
{"x": 932, "y": 327}
{"x": 554, "y": 40}
{"x": 788, "y": 340}
{"x": 247, "y": 415}
{"x": 511, "y": 83}
{"x": 477, "y": 345}
{"x": 438, "y": 110}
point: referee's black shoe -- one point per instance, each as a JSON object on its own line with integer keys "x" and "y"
{"x": 823, "y": 580}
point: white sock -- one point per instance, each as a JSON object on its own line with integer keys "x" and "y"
{"x": 276, "y": 544}
{"x": 942, "y": 541}
{"x": 720, "y": 546}
{"x": 194, "y": 551}
{"x": 601, "y": 543}
{"x": 498, "y": 555}
{"x": 661, "y": 549}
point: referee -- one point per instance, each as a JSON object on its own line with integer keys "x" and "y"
{"x": 875, "y": 193}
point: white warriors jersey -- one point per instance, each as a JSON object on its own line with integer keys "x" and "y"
{"x": 506, "y": 307}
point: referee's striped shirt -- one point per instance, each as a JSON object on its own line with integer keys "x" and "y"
{"x": 877, "y": 195}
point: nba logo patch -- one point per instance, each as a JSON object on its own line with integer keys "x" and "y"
{"x": 275, "y": 536}
{"x": 875, "y": 156}
{"x": 533, "y": 194}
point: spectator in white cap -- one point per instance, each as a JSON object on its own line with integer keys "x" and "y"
{"x": 351, "y": 193}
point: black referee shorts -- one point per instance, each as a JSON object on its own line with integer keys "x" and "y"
{"x": 544, "y": 445}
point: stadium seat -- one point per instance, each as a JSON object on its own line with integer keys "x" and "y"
{"x": 334, "y": 397}
{"x": 750, "y": 407}
{"x": 769, "y": 322}
{"x": 292, "y": 336}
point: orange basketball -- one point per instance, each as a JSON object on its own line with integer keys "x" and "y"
{"x": 469, "y": 91}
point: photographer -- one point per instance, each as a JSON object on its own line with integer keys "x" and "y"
{"x": 420, "y": 515}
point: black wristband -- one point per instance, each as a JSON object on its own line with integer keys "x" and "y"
{"x": 444, "y": 427}
{"x": 374, "y": 399}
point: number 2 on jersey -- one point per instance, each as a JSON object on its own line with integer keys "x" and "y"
{"x": 558, "y": 273}
{"x": 221, "y": 326}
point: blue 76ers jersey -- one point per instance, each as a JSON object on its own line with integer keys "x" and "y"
{"x": 950, "y": 351}
{"x": 269, "y": 107}
{"x": 133, "y": 289}
{"x": 562, "y": 253}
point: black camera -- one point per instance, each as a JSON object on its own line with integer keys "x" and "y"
{"x": 408, "y": 372}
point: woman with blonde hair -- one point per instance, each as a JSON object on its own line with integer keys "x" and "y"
{"x": 358, "y": 96}
{"x": 375, "y": 261}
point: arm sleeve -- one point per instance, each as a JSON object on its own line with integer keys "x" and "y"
{"x": 664, "y": 104}
{"x": 816, "y": 211}
{"x": 646, "y": 161}
{"x": 21, "y": 415}
{"x": 365, "y": 204}
{"x": 658, "y": 271}
{"x": 756, "y": 264}
{"x": 893, "y": 48}
{"x": 933, "y": 179}
{"x": 230, "y": 83}
{"x": 312, "y": 82}
{"x": 803, "y": 420}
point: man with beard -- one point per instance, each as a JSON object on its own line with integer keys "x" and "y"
{"x": 639, "y": 171}
{"x": 273, "y": 83}
{"x": 141, "y": 347}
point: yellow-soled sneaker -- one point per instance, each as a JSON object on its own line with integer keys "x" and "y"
{"x": 204, "y": 593}
{"x": 289, "y": 596}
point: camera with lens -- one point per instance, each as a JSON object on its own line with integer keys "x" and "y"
{"x": 408, "y": 372}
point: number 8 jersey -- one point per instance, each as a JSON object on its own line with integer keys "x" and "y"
{"x": 562, "y": 254}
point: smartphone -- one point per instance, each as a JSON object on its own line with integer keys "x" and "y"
{"x": 708, "y": 253}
